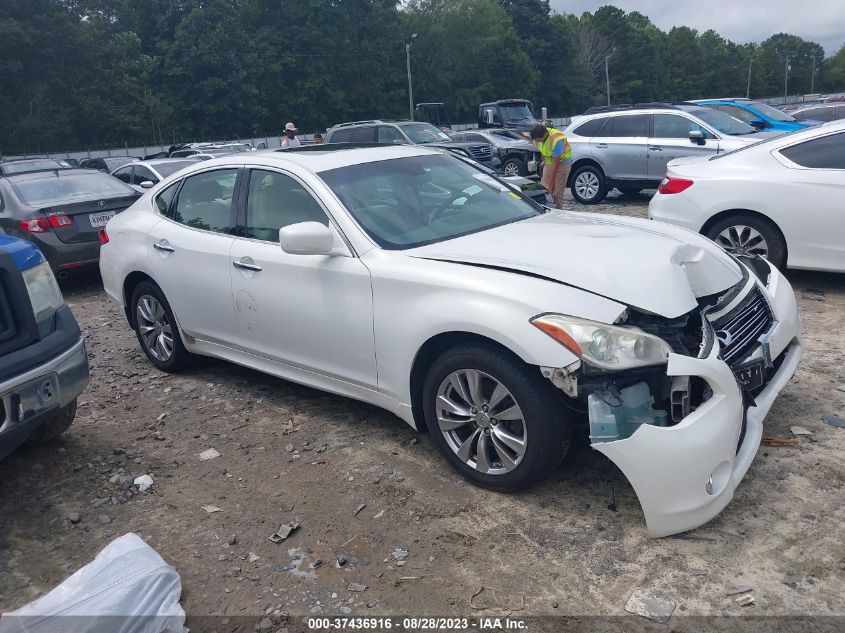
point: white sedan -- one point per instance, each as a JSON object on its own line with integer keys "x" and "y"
{"x": 782, "y": 199}
{"x": 405, "y": 277}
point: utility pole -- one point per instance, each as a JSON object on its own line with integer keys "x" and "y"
{"x": 410, "y": 85}
{"x": 786, "y": 79}
{"x": 748, "y": 88}
{"x": 813, "y": 77}
{"x": 607, "y": 76}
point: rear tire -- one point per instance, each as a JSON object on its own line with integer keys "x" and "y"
{"x": 522, "y": 447}
{"x": 156, "y": 329}
{"x": 55, "y": 425}
{"x": 750, "y": 235}
{"x": 589, "y": 186}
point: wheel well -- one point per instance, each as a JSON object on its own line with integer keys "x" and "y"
{"x": 129, "y": 284}
{"x": 581, "y": 163}
{"x": 759, "y": 216}
{"x": 430, "y": 352}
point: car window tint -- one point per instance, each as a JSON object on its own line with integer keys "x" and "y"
{"x": 274, "y": 201}
{"x": 738, "y": 113}
{"x": 675, "y": 126}
{"x": 627, "y": 126}
{"x": 205, "y": 201}
{"x": 124, "y": 174}
{"x": 591, "y": 128}
{"x": 164, "y": 199}
{"x": 364, "y": 135}
{"x": 827, "y": 152}
{"x": 476, "y": 138}
{"x": 341, "y": 136}
{"x": 142, "y": 174}
{"x": 388, "y": 134}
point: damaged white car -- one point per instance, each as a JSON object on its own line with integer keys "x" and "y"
{"x": 408, "y": 279}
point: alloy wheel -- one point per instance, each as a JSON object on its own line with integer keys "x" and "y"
{"x": 481, "y": 421}
{"x": 154, "y": 327}
{"x": 587, "y": 185}
{"x": 511, "y": 169}
{"x": 743, "y": 240}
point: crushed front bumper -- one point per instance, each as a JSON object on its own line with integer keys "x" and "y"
{"x": 685, "y": 474}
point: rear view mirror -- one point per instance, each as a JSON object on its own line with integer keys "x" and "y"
{"x": 147, "y": 184}
{"x": 697, "y": 137}
{"x": 306, "y": 238}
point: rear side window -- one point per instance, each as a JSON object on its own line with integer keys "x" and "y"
{"x": 364, "y": 135}
{"x": 205, "y": 201}
{"x": 627, "y": 126}
{"x": 342, "y": 136}
{"x": 827, "y": 152}
{"x": 591, "y": 128}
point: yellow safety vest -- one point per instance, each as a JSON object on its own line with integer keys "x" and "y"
{"x": 547, "y": 147}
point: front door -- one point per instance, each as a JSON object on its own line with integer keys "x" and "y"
{"x": 313, "y": 312}
{"x": 670, "y": 139}
{"x": 189, "y": 252}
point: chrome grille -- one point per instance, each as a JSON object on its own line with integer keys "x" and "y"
{"x": 739, "y": 330}
{"x": 480, "y": 152}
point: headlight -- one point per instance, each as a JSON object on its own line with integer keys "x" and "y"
{"x": 606, "y": 346}
{"x": 44, "y": 294}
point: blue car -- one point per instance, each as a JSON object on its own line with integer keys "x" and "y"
{"x": 759, "y": 115}
{"x": 43, "y": 362}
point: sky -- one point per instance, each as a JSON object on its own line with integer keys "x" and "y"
{"x": 740, "y": 21}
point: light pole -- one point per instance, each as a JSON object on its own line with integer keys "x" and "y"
{"x": 748, "y": 87}
{"x": 786, "y": 79}
{"x": 410, "y": 86}
{"x": 607, "y": 76}
{"x": 813, "y": 77}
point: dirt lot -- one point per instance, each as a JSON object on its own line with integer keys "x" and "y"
{"x": 575, "y": 545}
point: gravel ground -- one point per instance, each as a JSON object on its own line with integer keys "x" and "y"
{"x": 378, "y": 507}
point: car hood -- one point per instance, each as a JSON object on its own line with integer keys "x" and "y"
{"x": 651, "y": 266}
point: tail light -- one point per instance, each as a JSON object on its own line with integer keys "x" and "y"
{"x": 42, "y": 225}
{"x": 104, "y": 237}
{"x": 674, "y": 185}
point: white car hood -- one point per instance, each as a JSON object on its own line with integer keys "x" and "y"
{"x": 648, "y": 265}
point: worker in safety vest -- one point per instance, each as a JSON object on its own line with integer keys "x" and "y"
{"x": 557, "y": 159}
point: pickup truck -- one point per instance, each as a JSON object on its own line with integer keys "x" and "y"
{"x": 43, "y": 362}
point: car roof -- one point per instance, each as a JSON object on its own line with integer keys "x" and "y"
{"x": 319, "y": 158}
{"x": 50, "y": 173}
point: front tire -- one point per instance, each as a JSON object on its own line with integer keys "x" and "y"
{"x": 156, "y": 329}
{"x": 589, "y": 186}
{"x": 514, "y": 166}
{"x": 748, "y": 235}
{"x": 495, "y": 419}
{"x": 55, "y": 425}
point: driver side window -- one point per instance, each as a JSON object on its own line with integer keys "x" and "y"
{"x": 124, "y": 174}
{"x": 274, "y": 201}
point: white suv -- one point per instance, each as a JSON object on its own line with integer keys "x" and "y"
{"x": 411, "y": 280}
{"x": 627, "y": 147}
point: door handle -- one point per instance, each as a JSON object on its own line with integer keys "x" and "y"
{"x": 239, "y": 263}
{"x": 655, "y": 148}
{"x": 602, "y": 146}
{"x": 163, "y": 246}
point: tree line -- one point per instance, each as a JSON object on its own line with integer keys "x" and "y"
{"x": 88, "y": 73}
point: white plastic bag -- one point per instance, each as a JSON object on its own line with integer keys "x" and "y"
{"x": 127, "y": 588}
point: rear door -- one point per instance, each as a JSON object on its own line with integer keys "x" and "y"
{"x": 670, "y": 139}
{"x": 622, "y": 146}
{"x": 189, "y": 253}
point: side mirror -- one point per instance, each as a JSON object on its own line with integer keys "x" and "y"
{"x": 760, "y": 124}
{"x": 147, "y": 184}
{"x": 306, "y": 238}
{"x": 697, "y": 137}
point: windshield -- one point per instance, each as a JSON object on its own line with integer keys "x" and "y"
{"x": 165, "y": 169}
{"x": 409, "y": 202}
{"x": 70, "y": 188}
{"x": 18, "y": 166}
{"x": 724, "y": 123}
{"x": 422, "y": 133}
{"x": 516, "y": 112}
{"x": 769, "y": 111}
